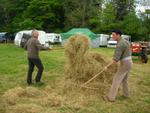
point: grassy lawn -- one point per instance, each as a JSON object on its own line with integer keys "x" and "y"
{"x": 13, "y": 70}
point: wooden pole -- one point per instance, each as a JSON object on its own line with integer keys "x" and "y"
{"x": 93, "y": 77}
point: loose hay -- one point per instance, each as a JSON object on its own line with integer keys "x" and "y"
{"x": 30, "y": 100}
{"x": 25, "y": 108}
{"x": 12, "y": 95}
{"x": 33, "y": 92}
{"x": 53, "y": 100}
{"x": 83, "y": 65}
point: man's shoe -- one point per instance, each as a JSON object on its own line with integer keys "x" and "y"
{"x": 40, "y": 83}
{"x": 106, "y": 98}
{"x": 30, "y": 83}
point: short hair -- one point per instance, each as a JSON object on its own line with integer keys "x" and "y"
{"x": 117, "y": 31}
{"x": 33, "y": 31}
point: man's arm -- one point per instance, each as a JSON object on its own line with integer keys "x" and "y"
{"x": 41, "y": 47}
{"x": 116, "y": 57}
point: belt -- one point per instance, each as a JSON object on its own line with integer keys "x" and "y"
{"x": 127, "y": 58}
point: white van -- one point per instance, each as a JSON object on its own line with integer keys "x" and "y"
{"x": 113, "y": 43}
{"x": 103, "y": 40}
{"x": 127, "y": 37}
{"x": 22, "y": 37}
{"x": 54, "y": 37}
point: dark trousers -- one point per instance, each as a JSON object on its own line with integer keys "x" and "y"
{"x": 34, "y": 62}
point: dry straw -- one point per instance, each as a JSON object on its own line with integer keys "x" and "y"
{"x": 25, "y": 108}
{"x": 83, "y": 65}
{"x": 30, "y": 100}
{"x": 33, "y": 92}
{"x": 51, "y": 100}
{"x": 11, "y": 96}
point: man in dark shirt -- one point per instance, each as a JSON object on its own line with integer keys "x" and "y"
{"x": 33, "y": 47}
{"x": 122, "y": 54}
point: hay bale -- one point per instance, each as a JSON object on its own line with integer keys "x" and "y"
{"x": 11, "y": 96}
{"x": 83, "y": 65}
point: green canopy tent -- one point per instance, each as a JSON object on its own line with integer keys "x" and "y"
{"x": 85, "y": 31}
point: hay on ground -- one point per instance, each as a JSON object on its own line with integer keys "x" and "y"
{"x": 30, "y": 100}
{"x": 33, "y": 92}
{"x": 52, "y": 99}
{"x": 12, "y": 95}
{"x": 24, "y": 108}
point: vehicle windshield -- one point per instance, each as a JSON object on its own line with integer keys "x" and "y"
{"x": 2, "y": 35}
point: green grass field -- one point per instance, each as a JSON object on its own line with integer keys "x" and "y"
{"x": 13, "y": 70}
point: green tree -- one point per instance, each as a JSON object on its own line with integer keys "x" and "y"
{"x": 83, "y": 13}
{"x": 134, "y": 26}
{"x": 16, "y": 15}
{"x": 47, "y": 15}
{"x": 123, "y": 7}
{"x": 145, "y": 18}
{"x": 9, "y": 9}
{"x": 108, "y": 17}
{"x": 113, "y": 14}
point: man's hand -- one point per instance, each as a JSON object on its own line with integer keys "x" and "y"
{"x": 110, "y": 64}
{"x": 50, "y": 48}
{"x": 105, "y": 68}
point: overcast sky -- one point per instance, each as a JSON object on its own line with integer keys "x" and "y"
{"x": 142, "y": 5}
{"x": 142, "y": 8}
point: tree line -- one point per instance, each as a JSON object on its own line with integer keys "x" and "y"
{"x": 59, "y": 16}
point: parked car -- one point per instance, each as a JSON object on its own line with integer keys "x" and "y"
{"x": 2, "y": 37}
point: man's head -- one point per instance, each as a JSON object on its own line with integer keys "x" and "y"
{"x": 116, "y": 34}
{"x": 35, "y": 33}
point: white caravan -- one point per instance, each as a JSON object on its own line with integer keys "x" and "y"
{"x": 22, "y": 37}
{"x": 103, "y": 40}
{"x": 113, "y": 43}
{"x": 127, "y": 37}
{"x": 53, "y": 37}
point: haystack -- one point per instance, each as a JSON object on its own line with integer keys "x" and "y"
{"x": 83, "y": 65}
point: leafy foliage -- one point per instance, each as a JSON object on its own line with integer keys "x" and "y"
{"x": 133, "y": 26}
{"x": 57, "y": 16}
{"x": 81, "y": 13}
{"x": 123, "y": 7}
